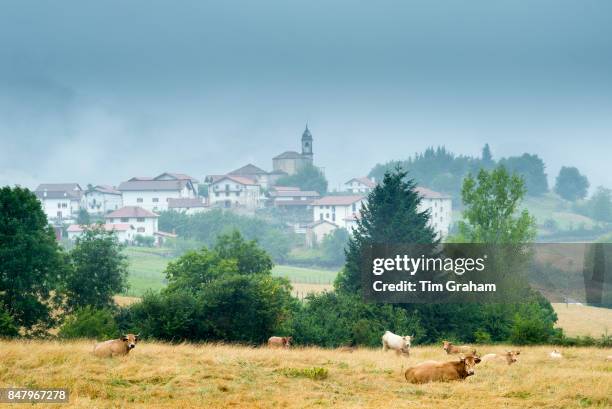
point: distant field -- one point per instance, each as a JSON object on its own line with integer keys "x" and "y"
{"x": 551, "y": 206}
{"x": 583, "y": 320}
{"x": 147, "y": 265}
{"x": 157, "y": 375}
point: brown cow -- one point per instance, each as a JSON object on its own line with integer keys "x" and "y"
{"x": 280, "y": 342}
{"x": 116, "y": 347}
{"x": 463, "y": 349}
{"x": 433, "y": 371}
{"x": 509, "y": 356}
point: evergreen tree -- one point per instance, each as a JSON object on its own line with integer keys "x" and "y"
{"x": 391, "y": 216}
{"x": 487, "y": 157}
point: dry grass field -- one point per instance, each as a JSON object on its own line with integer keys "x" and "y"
{"x": 221, "y": 376}
{"x": 583, "y": 320}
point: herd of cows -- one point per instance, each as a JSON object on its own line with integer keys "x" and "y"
{"x": 424, "y": 372}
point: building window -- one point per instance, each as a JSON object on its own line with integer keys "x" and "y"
{"x": 155, "y": 199}
{"x": 139, "y": 200}
{"x": 334, "y": 217}
{"x": 320, "y": 216}
{"x": 59, "y": 214}
{"x": 238, "y": 193}
{"x": 354, "y": 207}
{"x": 327, "y": 215}
{"x": 59, "y": 205}
{"x": 140, "y": 219}
{"x": 125, "y": 219}
{"x": 216, "y": 194}
{"x": 64, "y": 205}
{"x": 226, "y": 194}
{"x": 140, "y": 230}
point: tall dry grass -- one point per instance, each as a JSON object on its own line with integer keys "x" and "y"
{"x": 157, "y": 375}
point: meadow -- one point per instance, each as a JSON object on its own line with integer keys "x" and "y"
{"x": 156, "y": 375}
{"x": 147, "y": 265}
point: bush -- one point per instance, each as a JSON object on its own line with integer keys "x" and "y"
{"x": 90, "y": 323}
{"x": 144, "y": 241}
{"x": 8, "y": 328}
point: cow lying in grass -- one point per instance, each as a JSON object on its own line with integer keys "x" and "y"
{"x": 463, "y": 349}
{"x": 433, "y": 371}
{"x": 509, "y": 357}
{"x": 116, "y": 347}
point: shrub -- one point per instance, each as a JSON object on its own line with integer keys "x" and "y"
{"x": 315, "y": 373}
{"x": 90, "y": 323}
{"x": 8, "y": 328}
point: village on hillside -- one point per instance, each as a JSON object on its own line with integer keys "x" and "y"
{"x": 131, "y": 208}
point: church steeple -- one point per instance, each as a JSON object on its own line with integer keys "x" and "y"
{"x": 307, "y": 143}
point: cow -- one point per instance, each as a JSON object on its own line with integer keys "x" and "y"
{"x": 116, "y": 347}
{"x": 509, "y": 356}
{"x": 400, "y": 344}
{"x": 463, "y": 349}
{"x": 434, "y": 371}
{"x": 555, "y": 354}
{"x": 280, "y": 342}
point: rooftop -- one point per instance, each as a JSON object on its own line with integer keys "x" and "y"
{"x": 156, "y": 185}
{"x": 365, "y": 181}
{"x": 76, "y": 228}
{"x": 249, "y": 169}
{"x": 430, "y": 194}
{"x": 288, "y": 155}
{"x": 343, "y": 200}
{"x": 183, "y": 203}
{"x": 131, "y": 211}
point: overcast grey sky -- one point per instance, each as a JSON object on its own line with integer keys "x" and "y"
{"x": 102, "y": 91}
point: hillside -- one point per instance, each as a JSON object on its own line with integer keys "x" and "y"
{"x": 215, "y": 376}
{"x": 583, "y": 320}
{"x": 147, "y": 265}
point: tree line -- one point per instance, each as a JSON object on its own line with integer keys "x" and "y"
{"x": 225, "y": 291}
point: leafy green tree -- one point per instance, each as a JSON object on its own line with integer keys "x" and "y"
{"x": 570, "y": 184}
{"x": 391, "y": 216}
{"x": 333, "y": 246}
{"x": 600, "y": 205}
{"x": 224, "y": 293}
{"x": 531, "y": 168}
{"x": 31, "y": 262}
{"x": 89, "y": 322}
{"x": 98, "y": 270}
{"x": 83, "y": 218}
{"x": 491, "y": 213}
{"x": 272, "y": 236}
{"x": 307, "y": 178}
{"x": 250, "y": 258}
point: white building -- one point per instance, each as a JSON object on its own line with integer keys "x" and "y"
{"x": 125, "y": 232}
{"x": 360, "y": 185}
{"x": 229, "y": 191}
{"x": 316, "y": 231}
{"x": 188, "y": 205}
{"x": 103, "y": 199}
{"x": 440, "y": 208}
{"x": 60, "y": 201}
{"x": 153, "y": 193}
{"x": 142, "y": 220}
{"x": 339, "y": 210}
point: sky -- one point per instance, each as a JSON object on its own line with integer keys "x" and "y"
{"x": 98, "y": 92}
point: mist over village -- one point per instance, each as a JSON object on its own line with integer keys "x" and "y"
{"x": 306, "y": 204}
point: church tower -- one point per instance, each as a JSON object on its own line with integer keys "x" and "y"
{"x": 307, "y": 144}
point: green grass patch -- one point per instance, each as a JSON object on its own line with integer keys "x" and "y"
{"x": 315, "y": 373}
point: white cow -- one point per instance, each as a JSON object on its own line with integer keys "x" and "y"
{"x": 400, "y": 344}
{"x": 555, "y": 354}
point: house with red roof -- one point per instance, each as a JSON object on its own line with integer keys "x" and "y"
{"x": 233, "y": 191}
{"x": 101, "y": 199}
{"x": 361, "y": 185}
{"x": 338, "y": 209}
{"x": 143, "y": 220}
{"x": 153, "y": 193}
